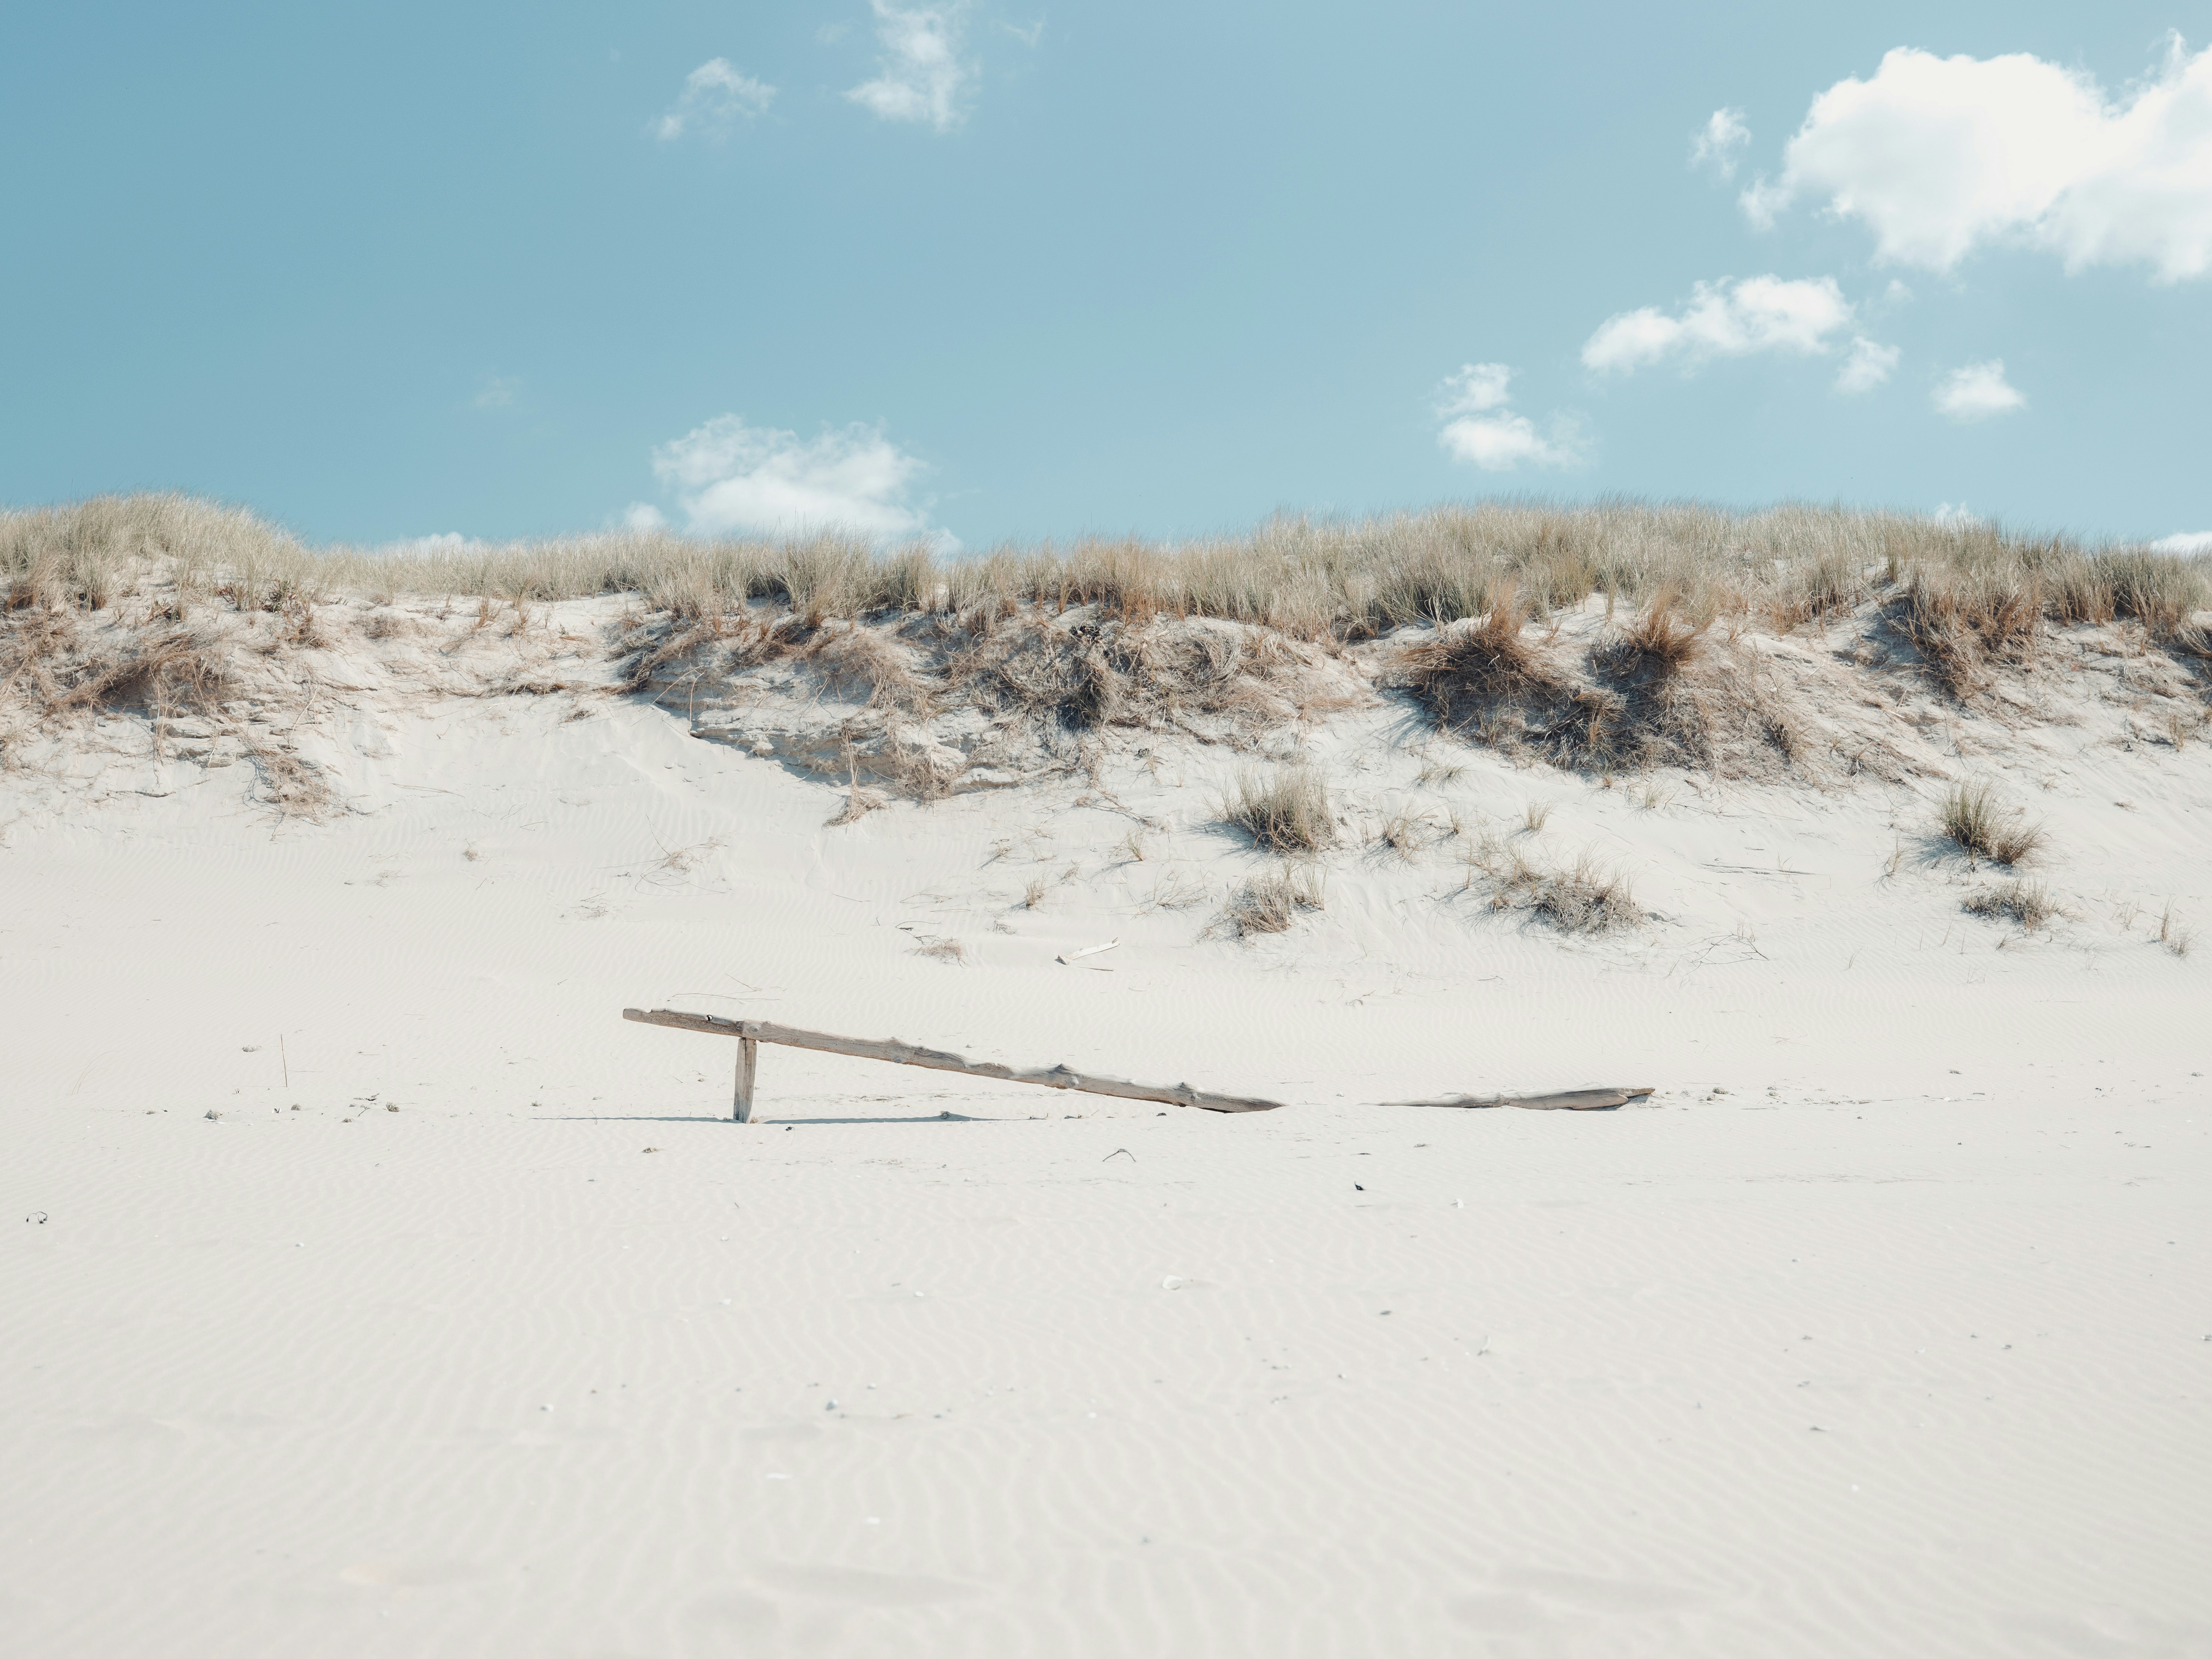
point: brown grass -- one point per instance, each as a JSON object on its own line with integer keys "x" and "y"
{"x": 1308, "y": 579}
{"x": 2028, "y": 903}
{"x": 1270, "y": 902}
{"x": 169, "y": 603}
{"x": 1657, "y": 690}
{"x": 1960, "y": 619}
{"x": 1583, "y": 897}
{"x": 1969, "y": 817}
{"x": 1285, "y": 811}
{"x": 859, "y": 801}
{"x": 1663, "y": 641}
{"x": 295, "y": 787}
{"x": 1480, "y": 665}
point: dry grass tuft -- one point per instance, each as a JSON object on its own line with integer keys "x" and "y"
{"x": 1583, "y": 897}
{"x": 295, "y": 786}
{"x": 943, "y": 950}
{"x": 1658, "y": 691}
{"x": 2027, "y": 903}
{"x": 62, "y": 666}
{"x": 1485, "y": 676}
{"x": 1285, "y": 811}
{"x": 1664, "y": 639}
{"x": 388, "y": 624}
{"x": 859, "y": 801}
{"x": 1270, "y": 902}
{"x": 1074, "y": 680}
{"x": 1403, "y": 832}
{"x": 1961, "y": 618}
{"x": 1969, "y": 817}
{"x": 850, "y": 658}
{"x": 2172, "y": 934}
{"x": 1080, "y": 676}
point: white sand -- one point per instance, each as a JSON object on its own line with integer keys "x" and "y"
{"x": 1900, "y": 1346}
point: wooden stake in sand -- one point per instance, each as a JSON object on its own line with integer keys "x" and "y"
{"x": 748, "y": 1062}
{"x": 1570, "y": 1100}
{"x": 751, "y": 1033}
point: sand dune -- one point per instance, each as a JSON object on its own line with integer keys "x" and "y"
{"x": 1880, "y": 1328}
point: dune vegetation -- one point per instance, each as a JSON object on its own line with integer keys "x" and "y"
{"x": 1608, "y": 638}
{"x": 1965, "y": 589}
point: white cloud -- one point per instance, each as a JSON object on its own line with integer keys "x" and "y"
{"x": 714, "y": 98}
{"x": 1939, "y": 155}
{"x": 1760, "y": 314}
{"x": 1499, "y": 443}
{"x": 729, "y": 477}
{"x": 2189, "y": 541}
{"x": 1977, "y": 391}
{"x": 644, "y": 515}
{"x": 497, "y": 392}
{"x": 1476, "y": 387}
{"x": 1868, "y": 366}
{"x": 1490, "y": 436}
{"x": 1957, "y": 514}
{"x": 922, "y": 76}
{"x": 1719, "y": 142}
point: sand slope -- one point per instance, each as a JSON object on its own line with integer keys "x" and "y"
{"x": 1899, "y": 1344}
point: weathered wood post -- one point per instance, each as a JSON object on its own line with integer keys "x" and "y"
{"x": 748, "y": 1057}
{"x": 751, "y": 1033}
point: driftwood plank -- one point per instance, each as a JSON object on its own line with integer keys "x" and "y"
{"x": 750, "y": 1031}
{"x": 1571, "y": 1100}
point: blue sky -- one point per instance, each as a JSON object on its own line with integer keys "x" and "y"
{"x": 1025, "y": 270}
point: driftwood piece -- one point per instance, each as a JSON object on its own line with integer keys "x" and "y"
{"x": 748, "y": 1063}
{"x": 752, "y": 1031}
{"x": 1571, "y": 1100}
